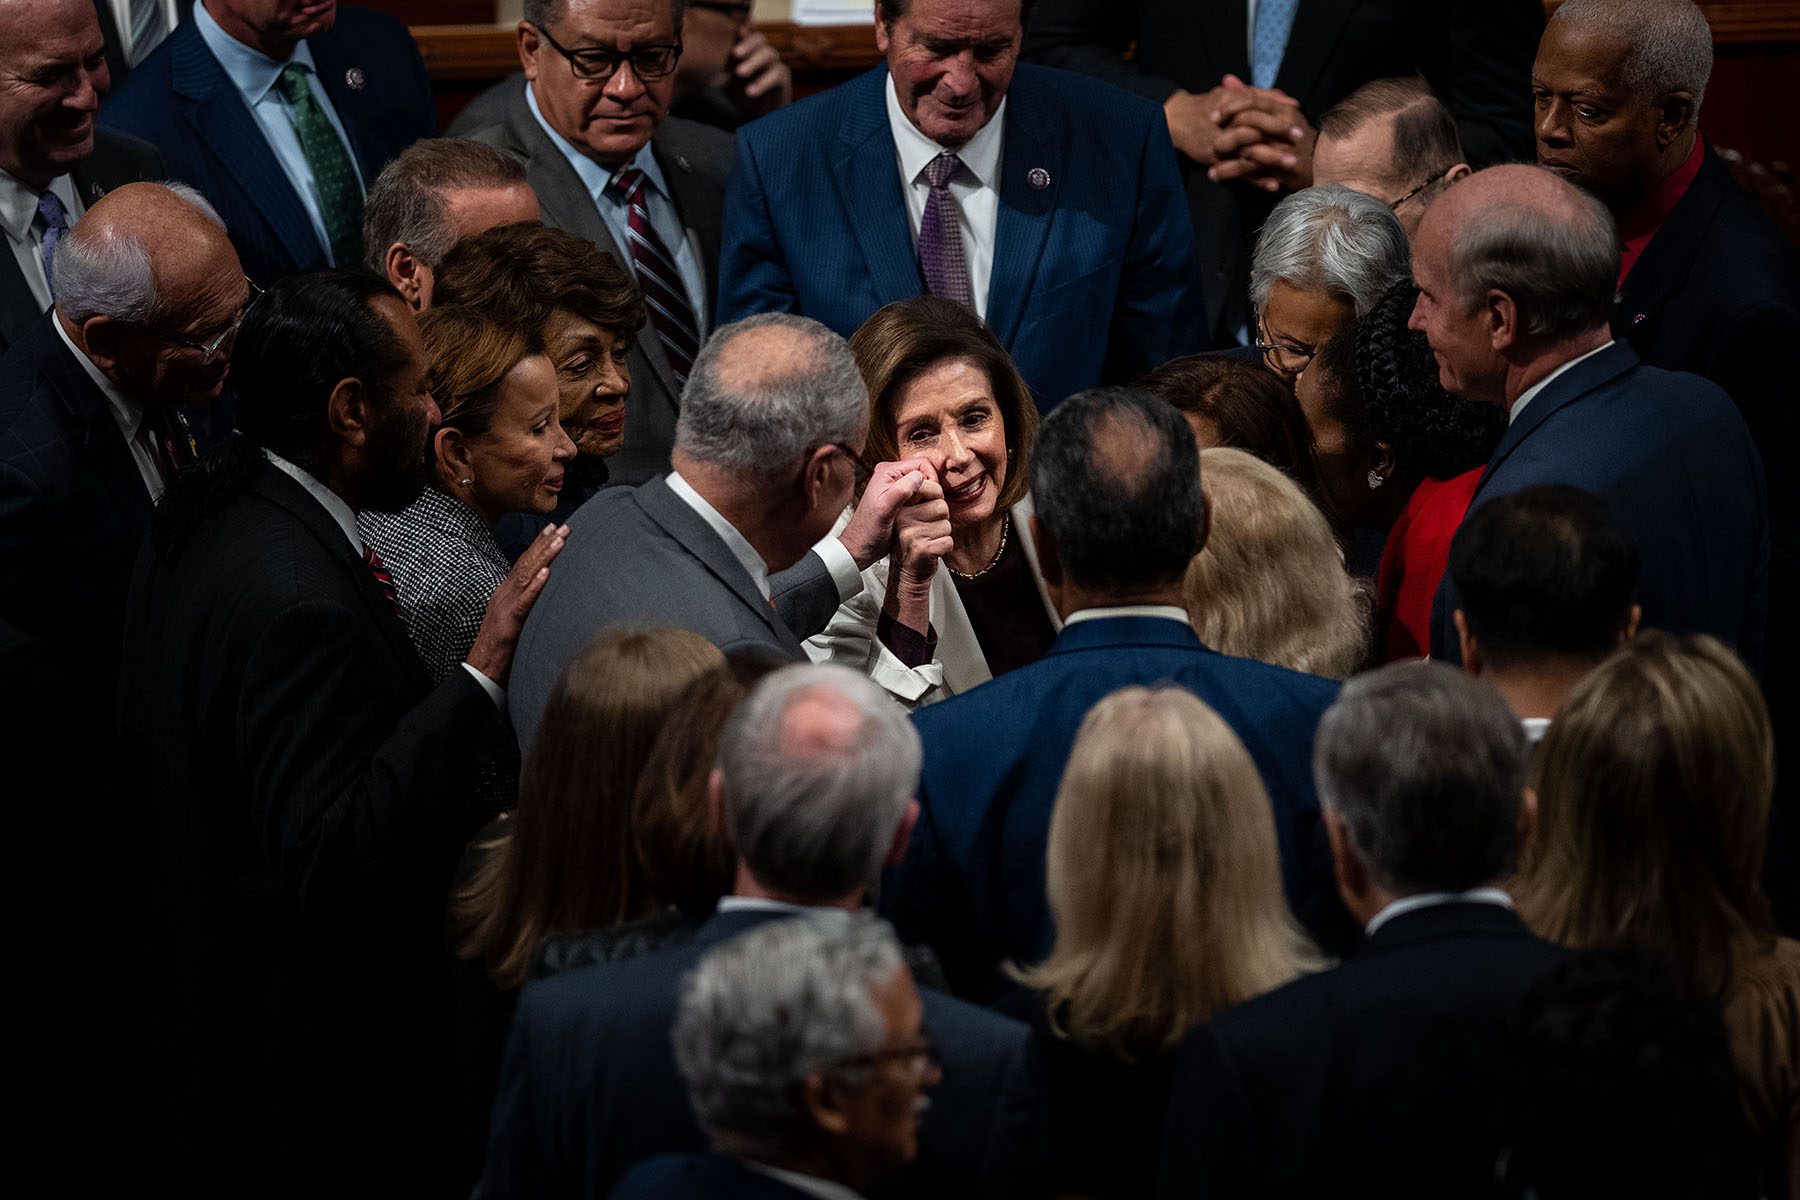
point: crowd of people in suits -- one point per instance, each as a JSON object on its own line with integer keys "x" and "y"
{"x": 1146, "y": 599}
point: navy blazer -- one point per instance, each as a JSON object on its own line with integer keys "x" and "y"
{"x": 700, "y": 1177}
{"x": 1094, "y": 278}
{"x": 972, "y": 883}
{"x": 1669, "y": 452}
{"x": 1368, "y": 1080}
{"x": 181, "y": 100}
{"x": 589, "y": 1086}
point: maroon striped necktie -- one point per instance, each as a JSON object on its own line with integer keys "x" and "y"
{"x": 671, "y": 313}
{"x": 379, "y": 570}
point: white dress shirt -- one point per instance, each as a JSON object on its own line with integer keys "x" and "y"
{"x": 345, "y": 519}
{"x": 838, "y": 562}
{"x": 1518, "y": 406}
{"x": 1166, "y": 611}
{"x": 25, "y": 233}
{"x": 254, "y": 75}
{"x": 1406, "y": 904}
{"x": 976, "y": 187}
{"x": 129, "y": 417}
{"x": 1535, "y": 729}
{"x": 681, "y": 241}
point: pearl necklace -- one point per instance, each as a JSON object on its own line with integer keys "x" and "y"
{"x": 1005, "y": 527}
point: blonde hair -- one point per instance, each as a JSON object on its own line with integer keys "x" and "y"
{"x": 1270, "y": 583}
{"x": 567, "y": 859}
{"x": 1654, "y": 786}
{"x": 1163, "y": 878}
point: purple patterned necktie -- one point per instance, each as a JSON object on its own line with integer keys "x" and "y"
{"x": 671, "y": 313}
{"x": 56, "y": 223}
{"x": 941, "y": 258}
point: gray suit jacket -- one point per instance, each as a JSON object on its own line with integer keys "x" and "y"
{"x": 118, "y": 159}
{"x": 695, "y": 160}
{"x": 641, "y": 556}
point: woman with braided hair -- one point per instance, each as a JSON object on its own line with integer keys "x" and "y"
{"x": 1397, "y": 455}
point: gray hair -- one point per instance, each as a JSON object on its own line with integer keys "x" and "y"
{"x": 1671, "y": 45}
{"x": 409, "y": 203}
{"x": 772, "y": 1006}
{"x": 762, "y": 421}
{"x": 1559, "y": 266}
{"x": 1330, "y": 238}
{"x": 817, "y": 820}
{"x": 99, "y": 276}
{"x": 1426, "y": 765}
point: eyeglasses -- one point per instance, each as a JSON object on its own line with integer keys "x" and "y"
{"x": 209, "y": 350}
{"x": 922, "y": 1057}
{"x": 1280, "y": 357}
{"x": 1394, "y": 205}
{"x": 600, "y": 63}
{"x": 864, "y": 472}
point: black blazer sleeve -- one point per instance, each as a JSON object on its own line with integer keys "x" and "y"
{"x": 1090, "y": 36}
{"x": 1209, "y": 1125}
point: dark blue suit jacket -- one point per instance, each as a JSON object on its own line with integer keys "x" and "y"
{"x": 1094, "y": 278}
{"x": 1669, "y": 452}
{"x": 589, "y": 1086}
{"x": 181, "y": 100}
{"x": 972, "y": 884}
{"x": 700, "y": 1177}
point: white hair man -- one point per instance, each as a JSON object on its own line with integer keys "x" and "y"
{"x": 814, "y": 784}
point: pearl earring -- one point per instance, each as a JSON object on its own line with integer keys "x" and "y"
{"x": 467, "y": 482}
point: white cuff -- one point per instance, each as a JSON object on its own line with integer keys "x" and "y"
{"x": 494, "y": 691}
{"x": 842, "y": 567}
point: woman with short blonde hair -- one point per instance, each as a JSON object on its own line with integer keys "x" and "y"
{"x": 1270, "y": 583}
{"x": 1165, "y": 883}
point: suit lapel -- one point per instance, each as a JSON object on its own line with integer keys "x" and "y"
{"x": 17, "y": 307}
{"x": 1661, "y": 272}
{"x": 1314, "y": 39}
{"x": 868, "y": 181}
{"x": 108, "y": 455}
{"x": 688, "y": 528}
{"x": 1026, "y": 212}
{"x": 222, "y": 121}
{"x": 699, "y": 205}
{"x": 1574, "y": 383}
{"x": 346, "y": 100}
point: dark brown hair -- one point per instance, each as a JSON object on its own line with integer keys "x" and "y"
{"x": 470, "y": 356}
{"x": 1249, "y": 406}
{"x": 905, "y": 339}
{"x": 1426, "y": 143}
{"x": 524, "y": 274}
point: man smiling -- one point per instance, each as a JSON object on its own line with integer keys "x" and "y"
{"x": 1047, "y": 202}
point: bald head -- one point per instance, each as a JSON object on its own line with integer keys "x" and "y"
{"x": 52, "y": 77}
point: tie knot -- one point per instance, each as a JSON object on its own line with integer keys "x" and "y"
{"x": 51, "y": 209}
{"x": 293, "y": 84}
{"x": 624, "y": 185}
{"x": 942, "y": 169}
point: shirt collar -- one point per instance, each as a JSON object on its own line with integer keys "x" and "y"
{"x": 595, "y": 177}
{"x": 756, "y": 904}
{"x": 811, "y": 1185}
{"x": 333, "y": 503}
{"x": 1531, "y": 392}
{"x": 130, "y": 417}
{"x": 1406, "y": 904}
{"x": 980, "y": 155}
{"x": 251, "y": 71}
{"x": 1645, "y": 217}
{"x": 18, "y": 206}
{"x": 737, "y": 543}
{"x": 1167, "y": 612}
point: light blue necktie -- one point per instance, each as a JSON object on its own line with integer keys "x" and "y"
{"x": 56, "y": 223}
{"x": 1274, "y": 21}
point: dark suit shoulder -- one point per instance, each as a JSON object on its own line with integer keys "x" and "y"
{"x": 1091, "y": 99}
{"x": 699, "y": 1177}
{"x": 703, "y": 147}
{"x": 122, "y": 158}
{"x": 487, "y": 109}
{"x": 354, "y": 28}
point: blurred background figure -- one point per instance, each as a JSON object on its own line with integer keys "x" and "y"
{"x": 1270, "y": 582}
{"x": 1229, "y": 402}
{"x": 1392, "y": 139}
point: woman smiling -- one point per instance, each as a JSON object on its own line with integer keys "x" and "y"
{"x": 499, "y": 448}
{"x": 961, "y": 600}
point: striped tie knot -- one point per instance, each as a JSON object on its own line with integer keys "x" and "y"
{"x": 665, "y": 295}
{"x": 383, "y": 579}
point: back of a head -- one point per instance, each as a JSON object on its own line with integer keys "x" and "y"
{"x": 120, "y": 259}
{"x": 1245, "y": 406}
{"x": 817, "y": 768}
{"x": 1162, "y": 875}
{"x": 1426, "y": 766}
{"x": 1671, "y": 44}
{"x": 1616, "y": 1082}
{"x": 1544, "y": 574}
{"x": 1270, "y": 583}
{"x": 471, "y": 356}
{"x": 767, "y": 389}
{"x": 1328, "y": 238}
{"x": 1654, "y": 787}
{"x": 1539, "y": 239}
{"x": 1425, "y": 141}
{"x": 772, "y": 1006}
{"x": 1117, "y": 484}
{"x": 409, "y": 203}
{"x": 524, "y": 274}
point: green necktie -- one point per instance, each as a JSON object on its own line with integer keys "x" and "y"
{"x": 334, "y": 175}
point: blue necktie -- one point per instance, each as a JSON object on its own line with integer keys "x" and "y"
{"x": 56, "y": 224}
{"x": 1274, "y": 21}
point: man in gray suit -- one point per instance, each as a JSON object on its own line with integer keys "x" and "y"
{"x": 732, "y": 543}
{"x": 607, "y": 162}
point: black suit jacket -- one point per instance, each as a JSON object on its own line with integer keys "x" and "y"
{"x": 117, "y": 160}
{"x": 589, "y": 1085}
{"x": 303, "y": 794}
{"x": 1370, "y": 1079}
{"x": 701, "y": 1177}
{"x": 695, "y": 160}
{"x": 1476, "y": 55}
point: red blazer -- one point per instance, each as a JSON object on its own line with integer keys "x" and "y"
{"x": 1413, "y": 563}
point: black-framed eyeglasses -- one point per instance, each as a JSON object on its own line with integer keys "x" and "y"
{"x": 1280, "y": 357}
{"x": 864, "y": 472}
{"x": 922, "y": 1056}
{"x": 600, "y": 63}
{"x": 209, "y": 349}
{"x": 736, "y": 9}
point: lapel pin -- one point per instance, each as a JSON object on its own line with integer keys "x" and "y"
{"x": 1038, "y": 178}
{"x": 95, "y": 191}
{"x": 356, "y": 79}
{"x": 682, "y": 162}
{"x": 1639, "y": 319}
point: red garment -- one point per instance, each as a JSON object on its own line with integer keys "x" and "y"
{"x": 1413, "y": 563}
{"x": 1638, "y": 226}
